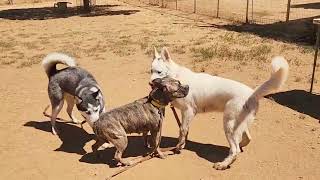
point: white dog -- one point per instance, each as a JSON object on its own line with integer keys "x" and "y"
{"x": 211, "y": 93}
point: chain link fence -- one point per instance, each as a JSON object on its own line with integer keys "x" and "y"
{"x": 251, "y": 11}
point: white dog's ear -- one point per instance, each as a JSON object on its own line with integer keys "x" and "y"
{"x": 165, "y": 54}
{"x": 156, "y": 54}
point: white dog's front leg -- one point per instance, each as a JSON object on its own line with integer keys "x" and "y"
{"x": 187, "y": 116}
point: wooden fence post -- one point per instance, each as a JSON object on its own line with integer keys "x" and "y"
{"x": 194, "y": 6}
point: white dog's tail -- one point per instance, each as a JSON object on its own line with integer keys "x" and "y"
{"x": 279, "y": 75}
{"x": 51, "y": 60}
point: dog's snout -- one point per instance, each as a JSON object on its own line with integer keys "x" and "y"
{"x": 186, "y": 89}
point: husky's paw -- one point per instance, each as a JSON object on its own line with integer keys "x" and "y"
{"x": 179, "y": 147}
{"x": 54, "y": 131}
{"x": 125, "y": 163}
{"x": 220, "y": 166}
{"x": 159, "y": 154}
{"x": 105, "y": 146}
{"x": 76, "y": 121}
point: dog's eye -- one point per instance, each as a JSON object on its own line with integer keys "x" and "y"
{"x": 159, "y": 72}
{"x": 88, "y": 112}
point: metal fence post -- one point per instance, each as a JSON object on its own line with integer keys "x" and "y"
{"x": 315, "y": 56}
{"x": 218, "y": 8}
{"x": 288, "y": 10}
{"x": 176, "y": 4}
{"x": 252, "y": 10}
{"x": 247, "y": 12}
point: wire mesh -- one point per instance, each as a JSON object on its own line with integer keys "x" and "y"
{"x": 254, "y": 11}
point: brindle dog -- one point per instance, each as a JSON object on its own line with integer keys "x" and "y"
{"x": 141, "y": 116}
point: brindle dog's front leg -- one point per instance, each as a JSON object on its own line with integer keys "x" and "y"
{"x": 156, "y": 138}
{"x": 97, "y": 144}
{"x": 146, "y": 140}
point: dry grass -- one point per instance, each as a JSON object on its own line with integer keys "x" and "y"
{"x": 259, "y": 53}
{"x": 6, "y": 45}
{"x": 204, "y": 53}
{"x": 30, "y": 45}
{"x": 8, "y": 61}
{"x": 31, "y": 61}
{"x": 179, "y": 49}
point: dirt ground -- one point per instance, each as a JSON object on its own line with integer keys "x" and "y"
{"x": 115, "y": 45}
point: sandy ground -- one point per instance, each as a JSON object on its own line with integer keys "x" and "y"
{"x": 115, "y": 46}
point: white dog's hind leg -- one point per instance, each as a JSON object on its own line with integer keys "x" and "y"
{"x": 246, "y": 138}
{"x": 187, "y": 116}
{"x": 244, "y": 127}
{"x": 233, "y": 139}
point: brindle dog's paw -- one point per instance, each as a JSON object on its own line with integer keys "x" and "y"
{"x": 161, "y": 155}
{"x": 220, "y": 166}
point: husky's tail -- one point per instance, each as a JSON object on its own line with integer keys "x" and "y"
{"x": 51, "y": 60}
{"x": 279, "y": 75}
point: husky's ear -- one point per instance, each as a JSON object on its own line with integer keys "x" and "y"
{"x": 165, "y": 54}
{"x": 78, "y": 100}
{"x": 156, "y": 54}
{"x": 95, "y": 94}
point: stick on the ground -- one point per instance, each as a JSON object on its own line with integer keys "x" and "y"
{"x": 146, "y": 158}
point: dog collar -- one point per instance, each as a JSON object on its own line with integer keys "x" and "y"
{"x": 157, "y": 104}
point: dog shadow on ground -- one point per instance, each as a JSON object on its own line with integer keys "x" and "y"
{"x": 73, "y": 137}
{"x": 299, "y": 31}
{"x": 212, "y": 153}
{"x": 300, "y": 101}
{"x": 44, "y": 13}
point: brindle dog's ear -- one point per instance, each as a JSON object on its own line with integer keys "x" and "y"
{"x": 78, "y": 100}
{"x": 156, "y": 83}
